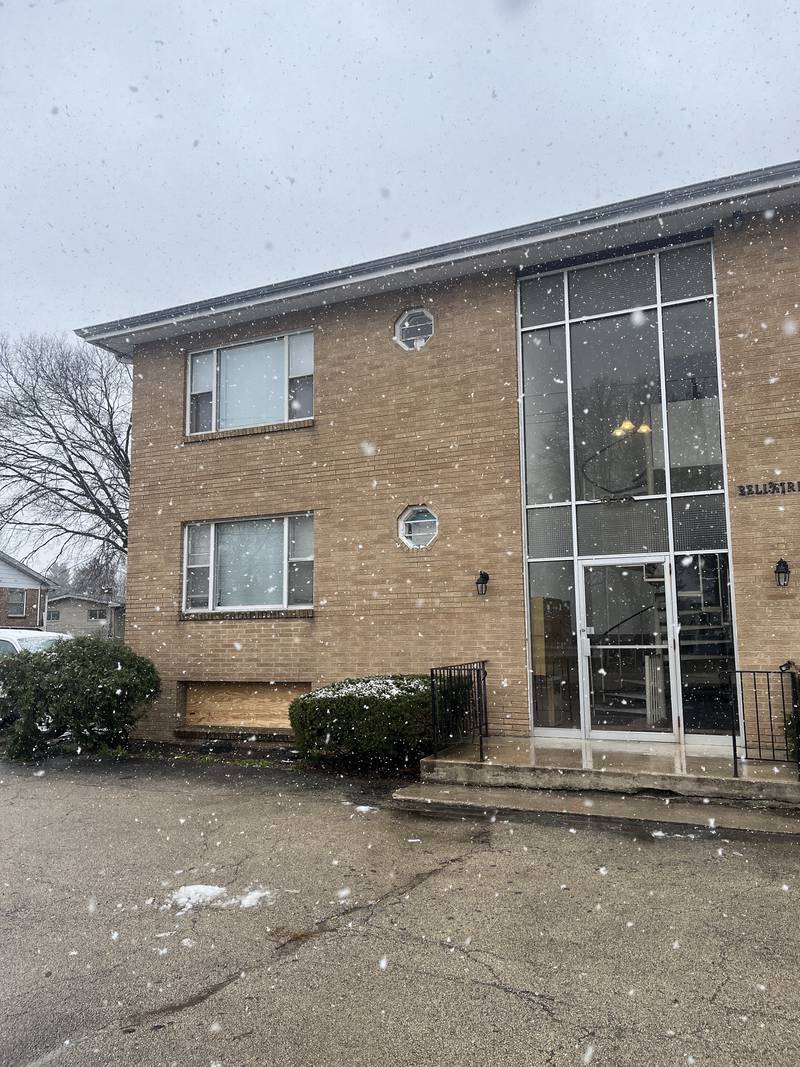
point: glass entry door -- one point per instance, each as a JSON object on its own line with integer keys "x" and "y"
{"x": 626, "y": 645}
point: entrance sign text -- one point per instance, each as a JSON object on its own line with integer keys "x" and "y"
{"x": 768, "y": 488}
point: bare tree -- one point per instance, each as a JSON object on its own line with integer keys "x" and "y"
{"x": 64, "y": 445}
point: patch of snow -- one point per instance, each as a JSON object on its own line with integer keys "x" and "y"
{"x": 372, "y": 687}
{"x": 192, "y": 896}
{"x": 251, "y": 899}
{"x": 215, "y": 896}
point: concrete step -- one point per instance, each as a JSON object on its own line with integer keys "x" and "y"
{"x": 655, "y": 815}
{"x": 763, "y": 784}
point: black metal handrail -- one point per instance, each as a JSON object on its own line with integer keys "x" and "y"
{"x": 765, "y": 716}
{"x": 459, "y": 704}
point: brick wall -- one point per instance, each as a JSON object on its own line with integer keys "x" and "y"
{"x": 34, "y": 605}
{"x": 757, "y": 270}
{"x": 437, "y": 427}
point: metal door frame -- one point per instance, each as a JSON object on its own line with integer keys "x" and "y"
{"x": 676, "y": 734}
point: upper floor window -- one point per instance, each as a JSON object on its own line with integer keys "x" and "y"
{"x": 16, "y": 603}
{"x": 251, "y": 384}
{"x": 418, "y": 527}
{"x": 250, "y": 564}
{"x": 97, "y": 614}
{"x": 414, "y": 329}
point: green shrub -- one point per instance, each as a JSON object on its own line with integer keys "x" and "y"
{"x": 89, "y": 690}
{"x": 377, "y": 723}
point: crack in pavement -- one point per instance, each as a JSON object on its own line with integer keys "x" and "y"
{"x": 332, "y": 923}
{"x": 545, "y": 1001}
{"x": 176, "y": 1006}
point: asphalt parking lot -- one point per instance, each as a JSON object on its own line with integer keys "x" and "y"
{"x": 210, "y": 914}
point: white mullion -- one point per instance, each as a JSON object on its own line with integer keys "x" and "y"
{"x": 698, "y": 492}
{"x": 621, "y": 311}
{"x": 584, "y": 702}
{"x": 523, "y": 467}
{"x": 184, "y": 567}
{"x": 686, "y": 300}
{"x": 214, "y": 386}
{"x": 541, "y": 325}
{"x": 286, "y": 561}
{"x": 313, "y": 372}
{"x": 286, "y": 412}
{"x": 188, "y": 398}
{"x": 604, "y": 501}
{"x": 726, "y": 495}
{"x": 212, "y": 567}
{"x": 613, "y": 314}
{"x": 676, "y": 687}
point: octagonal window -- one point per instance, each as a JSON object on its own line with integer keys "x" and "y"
{"x": 418, "y": 527}
{"x": 414, "y": 329}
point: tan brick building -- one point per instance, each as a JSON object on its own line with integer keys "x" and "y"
{"x": 322, "y": 467}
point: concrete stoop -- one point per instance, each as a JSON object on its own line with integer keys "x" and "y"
{"x": 493, "y": 775}
{"x": 658, "y": 816}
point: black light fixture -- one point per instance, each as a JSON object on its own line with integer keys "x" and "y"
{"x": 481, "y": 582}
{"x": 782, "y": 572}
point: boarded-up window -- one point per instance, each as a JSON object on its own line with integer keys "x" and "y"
{"x": 248, "y": 704}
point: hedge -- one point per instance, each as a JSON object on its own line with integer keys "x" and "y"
{"x": 376, "y": 723}
{"x": 89, "y": 690}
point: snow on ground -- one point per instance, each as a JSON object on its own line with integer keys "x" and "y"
{"x": 187, "y": 897}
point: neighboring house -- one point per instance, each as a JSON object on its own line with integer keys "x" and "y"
{"x": 23, "y": 595}
{"x": 599, "y": 410}
{"x": 85, "y": 616}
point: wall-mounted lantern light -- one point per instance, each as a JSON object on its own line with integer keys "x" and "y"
{"x": 481, "y": 582}
{"x": 782, "y": 572}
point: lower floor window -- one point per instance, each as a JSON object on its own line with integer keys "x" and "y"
{"x": 16, "y": 603}
{"x": 250, "y": 564}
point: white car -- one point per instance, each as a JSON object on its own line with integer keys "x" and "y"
{"x": 13, "y": 641}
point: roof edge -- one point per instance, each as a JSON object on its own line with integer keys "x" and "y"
{"x": 89, "y": 599}
{"x": 729, "y": 188}
{"x": 31, "y": 573}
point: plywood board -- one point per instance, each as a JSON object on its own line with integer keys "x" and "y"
{"x": 248, "y": 704}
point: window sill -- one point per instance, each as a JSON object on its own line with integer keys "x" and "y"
{"x": 247, "y": 431}
{"x": 216, "y": 616}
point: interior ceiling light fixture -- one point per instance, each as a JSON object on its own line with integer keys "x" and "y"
{"x": 626, "y": 427}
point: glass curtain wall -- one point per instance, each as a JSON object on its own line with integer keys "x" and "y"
{"x": 623, "y": 456}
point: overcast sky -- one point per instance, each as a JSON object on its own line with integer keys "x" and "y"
{"x": 160, "y": 152}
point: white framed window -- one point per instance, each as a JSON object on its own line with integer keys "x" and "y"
{"x": 97, "y": 614}
{"x": 16, "y": 603}
{"x": 249, "y": 564}
{"x": 53, "y": 614}
{"x": 418, "y": 526}
{"x": 251, "y": 384}
{"x": 414, "y": 329}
